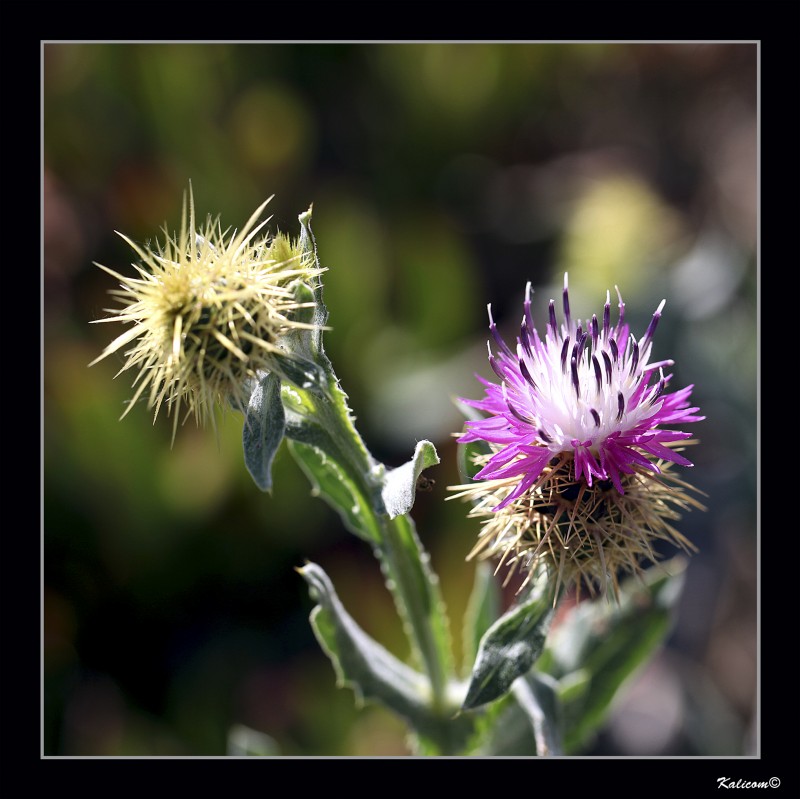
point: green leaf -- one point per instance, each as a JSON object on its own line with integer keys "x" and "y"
{"x": 308, "y": 246}
{"x": 306, "y": 309}
{"x": 375, "y": 674}
{"x": 301, "y": 344}
{"x": 511, "y": 645}
{"x": 503, "y": 729}
{"x": 335, "y": 484}
{"x": 524, "y": 722}
{"x": 300, "y": 371}
{"x": 362, "y": 664}
{"x": 400, "y": 484}
{"x": 537, "y": 696}
{"x": 600, "y": 644}
{"x": 572, "y": 687}
{"x": 263, "y": 430}
{"x": 483, "y": 608}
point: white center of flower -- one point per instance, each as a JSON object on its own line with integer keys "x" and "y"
{"x": 580, "y": 385}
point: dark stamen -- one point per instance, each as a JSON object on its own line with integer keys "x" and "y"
{"x": 651, "y": 328}
{"x": 526, "y": 374}
{"x": 614, "y": 351}
{"x": 607, "y": 362}
{"x": 596, "y": 417}
{"x": 659, "y": 389}
{"x": 564, "y": 351}
{"x": 553, "y": 325}
{"x": 495, "y": 334}
{"x": 598, "y": 372}
{"x": 575, "y": 383}
{"x": 517, "y": 414}
{"x": 635, "y": 358}
{"x": 544, "y": 436}
{"x": 525, "y": 338}
{"x": 620, "y": 406}
{"x": 581, "y": 343}
{"x": 566, "y": 307}
{"x": 527, "y": 306}
{"x": 595, "y": 331}
{"x": 496, "y": 367}
{"x": 606, "y": 318}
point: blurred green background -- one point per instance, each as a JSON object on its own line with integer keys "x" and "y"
{"x": 443, "y": 177}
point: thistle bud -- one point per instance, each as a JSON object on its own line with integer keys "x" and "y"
{"x": 209, "y": 312}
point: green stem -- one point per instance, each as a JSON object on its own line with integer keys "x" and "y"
{"x": 415, "y": 589}
{"x": 406, "y": 565}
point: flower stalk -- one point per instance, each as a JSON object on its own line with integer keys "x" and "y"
{"x": 404, "y": 562}
{"x": 395, "y": 543}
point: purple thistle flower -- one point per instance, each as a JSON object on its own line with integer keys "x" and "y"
{"x": 589, "y": 393}
{"x": 579, "y": 472}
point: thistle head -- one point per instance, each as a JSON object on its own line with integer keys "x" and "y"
{"x": 208, "y": 310}
{"x": 578, "y": 469}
